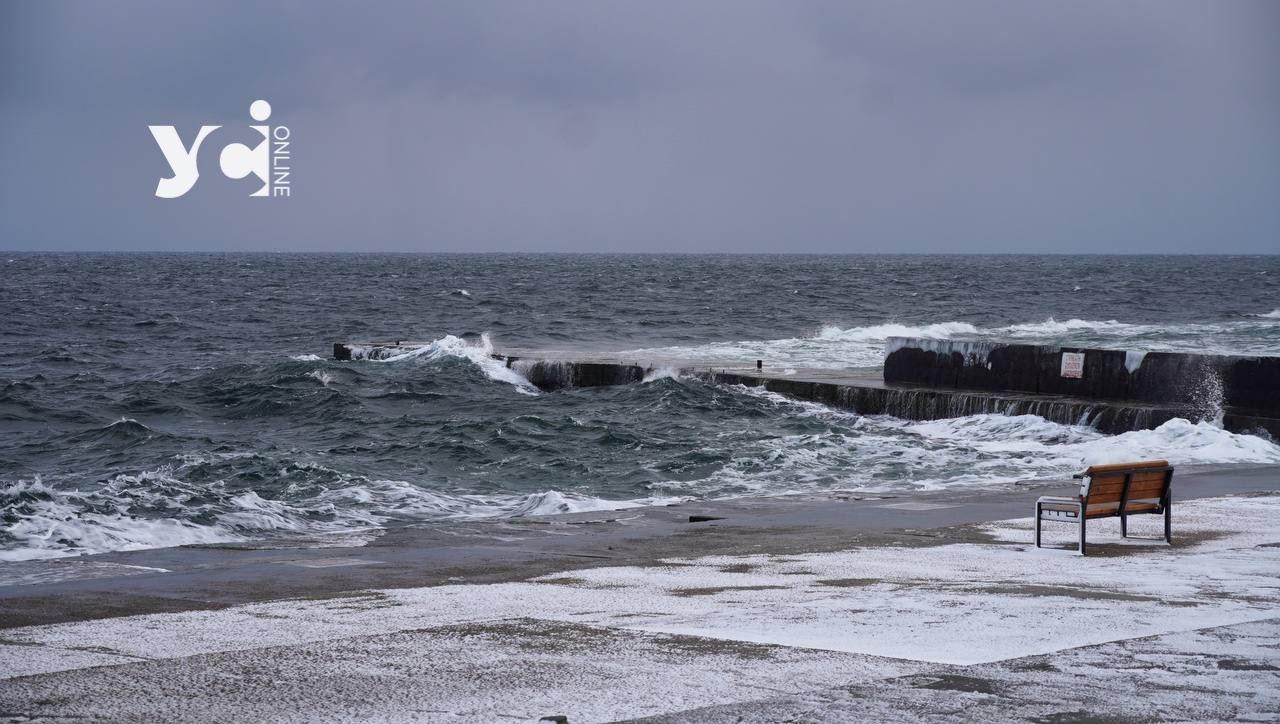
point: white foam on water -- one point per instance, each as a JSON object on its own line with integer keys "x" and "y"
{"x": 881, "y": 332}
{"x": 886, "y": 454}
{"x": 1051, "y": 328}
{"x": 1252, "y": 336}
{"x": 829, "y": 347}
{"x": 851, "y": 453}
{"x": 480, "y": 354}
{"x": 864, "y": 347}
{"x": 30, "y": 572}
{"x": 306, "y": 358}
{"x": 321, "y": 376}
{"x": 661, "y": 373}
{"x": 58, "y": 523}
{"x": 1058, "y": 447}
{"x": 553, "y": 502}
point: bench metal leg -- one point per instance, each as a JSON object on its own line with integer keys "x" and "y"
{"x": 1082, "y": 521}
{"x": 1037, "y": 525}
{"x": 1168, "y": 527}
{"x": 1124, "y": 526}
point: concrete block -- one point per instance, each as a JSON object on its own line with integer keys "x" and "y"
{"x": 1104, "y": 378}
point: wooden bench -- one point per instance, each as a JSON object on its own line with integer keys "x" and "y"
{"x": 1111, "y": 491}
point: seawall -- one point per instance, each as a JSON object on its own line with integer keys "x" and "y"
{"x": 936, "y": 379}
{"x": 1244, "y": 390}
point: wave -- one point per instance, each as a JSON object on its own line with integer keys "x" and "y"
{"x": 1051, "y": 327}
{"x": 324, "y": 378}
{"x": 480, "y": 354}
{"x": 1066, "y": 447}
{"x": 553, "y": 502}
{"x": 1273, "y": 314}
{"x": 809, "y": 449}
{"x": 661, "y": 373}
{"x": 881, "y": 332}
{"x": 42, "y": 522}
{"x": 887, "y": 454}
{"x": 125, "y": 431}
{"x": 166, "y": 507}
{"x": 863, "y": 347}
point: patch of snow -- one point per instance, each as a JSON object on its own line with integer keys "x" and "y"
{"x": 961, "y": 603}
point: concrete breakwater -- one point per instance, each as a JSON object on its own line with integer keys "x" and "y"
{"x": 935, "y": 379}
{"x": 1245, "y": 391}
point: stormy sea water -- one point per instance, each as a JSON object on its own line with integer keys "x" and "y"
{"x": 159, "y": 399}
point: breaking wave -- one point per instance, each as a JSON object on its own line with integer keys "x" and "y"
{"x": 604, "y": 449}
{"x": 127, "y": 427}
{"x": 883, "y": 454}
{"x": 881, "y": 332}
{"x": 863, "y": 347}
{"x": 480, "y": 354}
{"x": 163, "y": 508}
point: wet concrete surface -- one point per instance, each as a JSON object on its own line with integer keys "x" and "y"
{"x": 215, "y": 576}
{"x": 1188, "y": 676}
{"x": 275, "y": 633}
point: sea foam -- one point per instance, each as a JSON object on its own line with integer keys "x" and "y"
{"x": 835, "y": 347}
{"x": 480, "y": 354}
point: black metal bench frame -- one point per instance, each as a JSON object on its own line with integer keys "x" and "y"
{"x": 1081, "y": 517}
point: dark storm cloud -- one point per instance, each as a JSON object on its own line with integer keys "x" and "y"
{"x": 704, "y": 126}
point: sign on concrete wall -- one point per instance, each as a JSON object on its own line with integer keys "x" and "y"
{"x": 1073, "y": 364}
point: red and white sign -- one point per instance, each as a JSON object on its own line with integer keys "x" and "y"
{"x": 1073, "y": 365}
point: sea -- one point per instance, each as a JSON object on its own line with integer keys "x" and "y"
{"x": 151, "y": 400}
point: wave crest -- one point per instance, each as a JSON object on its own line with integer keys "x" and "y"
{"x": 881, "y": 332}
{"x": 135, "y": 512}
{"x": 480, "y": 354}
{"x": 863, "y": 347}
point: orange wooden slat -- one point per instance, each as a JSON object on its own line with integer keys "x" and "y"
{"x": 1123, "y": 467}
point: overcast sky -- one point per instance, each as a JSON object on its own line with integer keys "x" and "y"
{"x": 726, "y": 125}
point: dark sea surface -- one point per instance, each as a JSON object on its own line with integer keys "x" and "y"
{"x": 160, "y": 399}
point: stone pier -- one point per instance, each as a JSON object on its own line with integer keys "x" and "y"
{"x": 925, "y": 379}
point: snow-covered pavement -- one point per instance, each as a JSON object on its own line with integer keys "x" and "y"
{"x": 615, "y": 642}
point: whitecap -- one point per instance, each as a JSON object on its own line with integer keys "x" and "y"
{"x": 881, "y": 332}
{"x": 480, "y": 354}
{"x": 661, "y": 373}
{"x": 59, "y": 523}
{"x": 321, "y": 376}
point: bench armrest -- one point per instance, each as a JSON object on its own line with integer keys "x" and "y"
{"x": 1058, "y": 499}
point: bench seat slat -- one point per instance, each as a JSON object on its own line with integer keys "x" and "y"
{"x": 1098, "y": 470}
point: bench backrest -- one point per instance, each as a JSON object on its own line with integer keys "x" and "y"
{"x": 1135, "y": 487}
